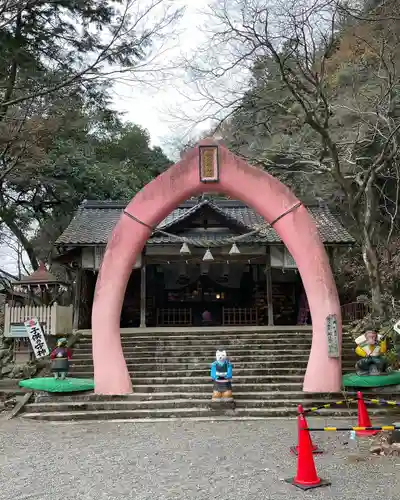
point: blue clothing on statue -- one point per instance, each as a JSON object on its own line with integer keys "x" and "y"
{"x": 221, "y": 371}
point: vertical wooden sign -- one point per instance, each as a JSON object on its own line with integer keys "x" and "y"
{"x": 208, "y": 164}
{"x": 332, "y": 334}
{"x": 36, "y": 336}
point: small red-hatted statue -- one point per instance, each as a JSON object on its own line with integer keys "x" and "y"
{"x": 221, "y": 373}
{"x": 61, "y": 357}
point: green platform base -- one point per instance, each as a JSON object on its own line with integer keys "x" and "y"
{"x": 354, "y": 380}
{"x": 49, "y": 384}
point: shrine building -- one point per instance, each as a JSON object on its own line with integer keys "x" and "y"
{"x": 211, "y": 262}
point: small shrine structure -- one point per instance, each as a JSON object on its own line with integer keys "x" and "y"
{"x": 39, "y": 295}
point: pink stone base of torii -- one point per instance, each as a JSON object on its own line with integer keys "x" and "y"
{"x": 239, "y": 180}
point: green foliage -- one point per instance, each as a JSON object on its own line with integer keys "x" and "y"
{"x": 60, "y": 142}
{"x": 49, "y": 44}
{"x": 82, "y": 164}
{"x": 322, "y": 113}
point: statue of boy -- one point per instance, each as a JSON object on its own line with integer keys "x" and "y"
{"x": 60, "y": 357}
{"x": 371, "y": 349}
{"x": 221, "y": 374}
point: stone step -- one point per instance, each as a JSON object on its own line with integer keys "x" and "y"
{"x": 168, "y": 367}
{"x": 284, "y": 355}
{"x": 153, "y": 339}
{"x": 137, "y": 348}
{"x": 287, "y": 381}
{"x": 241, "y": 379}
{"x": 211, "y": 332}
{"x": 211, "y": 335}
{"x": 196, "y": 362}
{"x": 179, "y": 356}
{"x": 156, "y": 371}
{"x": 156, "y": 396}
{"x": 170, "y": 377}
{"x": 191, "y": 357}
{"x": 201, "y": 362}
{"x": 179, "y": 413}
{"x": 210, "y": 354}
{"x": 165, "y": 404}
{"x": 348, "y": 365}
{"x": 212, "y": 343}
{"x": 206, "y": 350}
{"x": 228, "y": 339}
{"x": 207, "y": 341}
{"x": 206, "y": 356}
{"x": 286, "y": 385}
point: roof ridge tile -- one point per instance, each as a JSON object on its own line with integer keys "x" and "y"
{"x": 93, "y": 224}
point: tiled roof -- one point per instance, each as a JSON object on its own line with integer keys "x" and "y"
{"x": 209, "y": 238}
{"x": 6, "y": 279}
{"x": 41, "y": 275}
{"x": 94, "y": 222}
{"x": 180, "y": 214}
{"x": 7, "y": 276}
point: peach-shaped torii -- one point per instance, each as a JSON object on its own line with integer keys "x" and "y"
{"x": 265, "y": 194}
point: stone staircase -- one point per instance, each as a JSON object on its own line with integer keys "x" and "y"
{"x": 170, "y": 375}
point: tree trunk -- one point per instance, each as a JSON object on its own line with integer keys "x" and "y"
{"x": 370, "y": 255}
{"x": 28, "y": 247}
{"x": 371, "y": 262}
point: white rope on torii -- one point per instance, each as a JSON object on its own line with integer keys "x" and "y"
{"x": 260, "y": 229}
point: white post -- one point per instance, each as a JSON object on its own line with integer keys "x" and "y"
{"x": 48, "y": 319}
{"x": 77, "y": 299}
{"x": 53, "y": 319}
{"x": 143, "y": 296}
{"x": 6, "y": 319}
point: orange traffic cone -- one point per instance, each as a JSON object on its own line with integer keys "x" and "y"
{"x": 306, "y": 477}
{"x": 295, "y": 449}
{"x": 363, "y": 417}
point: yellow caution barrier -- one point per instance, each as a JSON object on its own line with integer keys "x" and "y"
{"x": 328, "y": 405}
{"x": 382, "y": 402}
{"x": 344, "y": 429}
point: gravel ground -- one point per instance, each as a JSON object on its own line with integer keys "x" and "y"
{"x": 180, "y": 460}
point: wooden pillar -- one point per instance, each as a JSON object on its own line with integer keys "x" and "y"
{"x": 143, "y": 295}
{"x": 77, "y": 299}
{"x": 268, "y": 279}
{"x": 331, "y": 255}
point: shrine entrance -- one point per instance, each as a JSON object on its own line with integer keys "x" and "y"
{"x": 210, "y": 167}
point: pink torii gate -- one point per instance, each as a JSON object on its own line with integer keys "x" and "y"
{"x": 269, "y": 197}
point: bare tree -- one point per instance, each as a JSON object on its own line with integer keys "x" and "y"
{"x": 128, "y": 40}
{"x": 51, "y": 52}
{"x": 341, "y": 82}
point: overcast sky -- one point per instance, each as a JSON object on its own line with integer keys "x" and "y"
{"x": 150, "y": 108}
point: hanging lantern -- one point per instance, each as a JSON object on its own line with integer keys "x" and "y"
{"x": 208, "y": 256}
{"x": 234, "y": 250}
{"x": 185, "y": 250}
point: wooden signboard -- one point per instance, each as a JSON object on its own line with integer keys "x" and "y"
{"x": 332, "y": 334}
{"x": 208, "y": 163}
{"x": 36, "y": 336}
